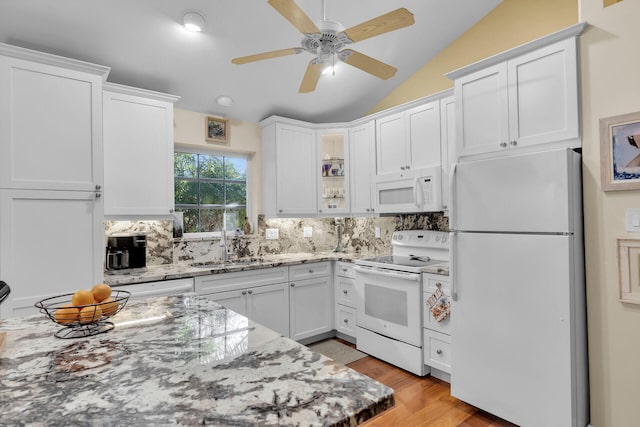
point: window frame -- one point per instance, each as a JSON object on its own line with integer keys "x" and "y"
{"x": 206, "y": 152}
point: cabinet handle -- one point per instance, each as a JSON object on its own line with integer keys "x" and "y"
{"x": 280, "y": 210}
{"x": 503, "y": 144}
{"x": 320, "y": 210}
{"x": 514, "y": 143}
{"x": 244, "y": 292}
{"x": 345, "y": 292}
{"x": 401, "y": 167}
{"x": 98, "y": 187}
{"x": 292, "y": 285}
{"x": 408, "y": 167}
{"x": 98, "y": 195}
{"x": 344, "y": 269}
{"x": 367, "y": 209}
{"x": 438, "y": 351}
{"x": 250, "y": 292}
{"x": 311, "y": 271}
{"x": 346, "y": 320}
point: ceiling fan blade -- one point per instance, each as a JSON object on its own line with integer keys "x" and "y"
{"x": 391, "y": 21}
{"x": 292, "y": 12}
{"x": 267, "y": 55}
{"x": 367, "y": 64}
{"x": 311, "y": 76}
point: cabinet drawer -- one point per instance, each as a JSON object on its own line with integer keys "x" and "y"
{"x": 345, "y": 291}
{"x": 345, "y": 269}
{"x": 309, "y": 271}
{"x": 431, "y": 283}
{"x": 346, "y": 320}
{"x": 437, "y": 350}
{"x": 241, "y": 279}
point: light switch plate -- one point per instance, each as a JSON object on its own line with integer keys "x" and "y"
{"x": 271, "y": 234}
{"x": 307, "y": 231}
{"x": 377, "y": 231}
{"x": 632, "y": 220}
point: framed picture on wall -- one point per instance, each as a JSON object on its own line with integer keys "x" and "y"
{"x": 216, "y": 130}
{"x": 620, "y": 152}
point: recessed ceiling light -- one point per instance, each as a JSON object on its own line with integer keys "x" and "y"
{"x": 224, "y": 101}
{"x": 193, "y": 21}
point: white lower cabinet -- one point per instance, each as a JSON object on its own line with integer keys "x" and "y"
{"x": 262, "y": 295}
{"x": 345, "y": 300}
{"x": 436, "y": 334}
{"x": 311, "y": 300}
{"x": 52, "y": 244}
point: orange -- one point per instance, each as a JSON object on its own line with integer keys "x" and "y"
{"x": 82, "y": 297}
{"x": 101, "y": 292}
{"x": 90, "y": 313}
{"x": 66, "y": 314}
{"x": 109, "y": 307}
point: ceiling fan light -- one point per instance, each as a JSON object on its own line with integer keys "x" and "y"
{"x": 329, "y": 69}
{"x": 193, "y": 21}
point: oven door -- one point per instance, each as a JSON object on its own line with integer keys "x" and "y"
{"x": 389, "y": 303}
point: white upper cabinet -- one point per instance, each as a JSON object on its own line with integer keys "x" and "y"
{"x": 333, "y": 171}
{"x": 361, "y": 167}
{"x": 522, "y": 98}
{"x": 50, "y": 121}
{"x": 138, "y": 151}
{"x": 408, "y": 140}
{"x": 289, "y": 168}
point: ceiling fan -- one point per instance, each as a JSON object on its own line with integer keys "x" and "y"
{"x": 327, "y": 41}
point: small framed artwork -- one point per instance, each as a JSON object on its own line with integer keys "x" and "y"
{"x": 620, "y": 152}
{"x": 216, "y": 130}
{"x": 629, "y": 270}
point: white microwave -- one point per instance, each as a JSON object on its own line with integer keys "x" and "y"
{"x": 410, "y": 192}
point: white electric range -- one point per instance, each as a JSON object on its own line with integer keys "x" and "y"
{"x": 389, "y": 293}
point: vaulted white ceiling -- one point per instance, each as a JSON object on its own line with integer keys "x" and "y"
{"x": 146, "y": 46}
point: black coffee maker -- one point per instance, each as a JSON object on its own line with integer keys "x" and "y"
{"x": 126, "y": 253}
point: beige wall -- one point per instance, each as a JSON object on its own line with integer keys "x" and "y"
{"x": 510, "y": 24}
{"x": 245, "y": 137}
{"x": 610, "y": 87}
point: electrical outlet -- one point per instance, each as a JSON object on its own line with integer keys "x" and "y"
{"x": 377, "y": 231}
{"x": 271, "y": 234}
{"x": 307, "y": 231}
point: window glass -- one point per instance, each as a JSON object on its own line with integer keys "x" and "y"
{"x": 211, "y": 191}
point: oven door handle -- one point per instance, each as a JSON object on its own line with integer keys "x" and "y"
{"x": 389, "y": 273}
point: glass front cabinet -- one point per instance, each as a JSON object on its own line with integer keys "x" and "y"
{"x": 333, "y": 160}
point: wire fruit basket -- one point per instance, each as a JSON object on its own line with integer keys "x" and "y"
{"x": 82, "y": 321}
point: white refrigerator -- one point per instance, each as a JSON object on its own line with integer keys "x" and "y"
{"x": 518, "y": 312}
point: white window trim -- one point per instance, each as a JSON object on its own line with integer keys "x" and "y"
{"x": 208, "y": 235}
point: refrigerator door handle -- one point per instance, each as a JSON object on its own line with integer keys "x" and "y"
{"x": 452, "y": 197}
{"x": 453, "y": 264}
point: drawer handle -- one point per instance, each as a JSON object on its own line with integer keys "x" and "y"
{"x": 310, "y": 271}
{"x": 438, "y": 351}
{"x": 346, "y": 320}
{"x": 250, "y": 292}
{"x": 293, "y": 284}
{"x": 345, "y": 292}
{"x": 344, "y": 269}
{"x": 244, "y": 292}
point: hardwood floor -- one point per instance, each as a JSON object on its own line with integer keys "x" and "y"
{"x": 421, "y": 401}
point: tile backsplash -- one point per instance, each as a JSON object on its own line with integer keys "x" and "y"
{"x": 358, "y": 235}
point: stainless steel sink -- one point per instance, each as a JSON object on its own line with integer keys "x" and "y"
{"x": 227, "y": 263}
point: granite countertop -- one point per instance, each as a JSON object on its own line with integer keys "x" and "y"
{"x": 184, "y": 270}
{"x": 177, "y": 360}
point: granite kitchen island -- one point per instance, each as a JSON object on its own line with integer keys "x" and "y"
{"x": 176, "y": 360}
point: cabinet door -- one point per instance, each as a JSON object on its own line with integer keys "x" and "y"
{"x": 295, "y": 170}
{"x": 423, "y": 135}
{"x": 311, "y": 305}
{"x": 447, "y": 144}
{"x": 361, "y": 167}
{"x": 543, "y": 95}
{"x": 482, "y": 111}
{"x": 269, "y": 306}
{"x": 391, "y": 155}
{"x": 137, "y": 131}
{"x": 233, "y": 300}
{"x": 52, "y": 244}
{"x": 50, "y": 127}
{"x": 333, "y": 171}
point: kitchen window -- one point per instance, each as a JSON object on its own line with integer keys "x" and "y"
{"x": 210, "y": 190}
